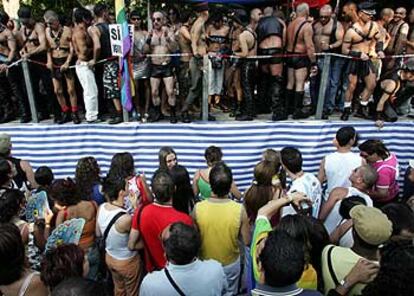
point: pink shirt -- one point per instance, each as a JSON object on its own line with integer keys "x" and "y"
{"x": 387, "y": 176}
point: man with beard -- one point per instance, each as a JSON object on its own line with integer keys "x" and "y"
{"x": 357, "y": 43}
{"x": 10, "y": 78}
{"x": 398, "y": 30}
{"x": 271, "y": 38}
{"x": 199, "y": 48}
{"x": 161, "y": 41}
{"x": 140, "y": 67}
{"x": 328, "y": 37}
{"x": 111, "y": 67}
{"x": 248, "y": 45}
{"x": 59, "y": 56}
{"x": 86, "y": 45}
{"x": 217, "y": 40}
{"x": 32, "y": 40}
{"x": 299, "y": 36}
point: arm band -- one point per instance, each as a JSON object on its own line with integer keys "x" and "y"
{"x": 379, "y": 46}
{"x": 355, "y": 54}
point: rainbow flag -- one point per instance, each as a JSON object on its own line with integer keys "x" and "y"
{"x": 126, "y": 93}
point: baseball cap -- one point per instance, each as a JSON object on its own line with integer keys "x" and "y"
{"x": 371, "y": 225}
{"x": 5, "y": 143}
{"x": 411, "y": 163}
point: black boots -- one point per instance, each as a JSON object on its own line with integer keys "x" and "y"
{"x": 63, "y": 118}
{"x": 173, "y": 116}
{"x": 346, "y": 113}
{"x": 75, "y": 117}
{"x": 299, "y": 113}
{"x": 277, "y": 103}
{"x": 289, "y": 101}
{"x": 117, "y": 118}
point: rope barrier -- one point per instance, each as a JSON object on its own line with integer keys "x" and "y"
{"x": 225, "y": 56}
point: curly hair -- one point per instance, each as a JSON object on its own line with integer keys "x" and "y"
{"x": 10, "y": 203}
{"x": 63, "y": 262}
{"x": 86, "y": 176}
{"x": 12, "y": 254}
{"x": 65, "y": 192}
{"x": 122, "y": 165}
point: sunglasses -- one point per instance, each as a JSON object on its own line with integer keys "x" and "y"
{"x": 158, "y": 19}
{"x": 135, "y": 19}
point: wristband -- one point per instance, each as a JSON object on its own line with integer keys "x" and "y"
{"x": 355, "y": 54}
{"x": 379, "y": 46}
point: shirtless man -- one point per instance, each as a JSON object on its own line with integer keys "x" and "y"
{"x": 271, "y": 39}
{"x": 10, "y": 78}
{"x": 33, "y": 44}
{"x": 396, "y": 88}
{"x": 141, "y": 67}
{"x": 184, "y": 42}
{"x": 299, "y": 37}
{"x": 199, "y": 48}
{"x": 410, "y": 39}
{"x": 248, "y": 47}
{"x": 217, "y": 41}
{"x": 357, "y": 43}
{"x": 161, "y": 40}
{"x": 110, "y": 68}
{"x": 398, "y": 30}
{"x": 328, "y": 37}
{"x": 86, "y": 45}
{"x": 59, "y": 56}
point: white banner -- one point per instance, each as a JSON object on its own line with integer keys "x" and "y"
{"x": 115, "y": 34}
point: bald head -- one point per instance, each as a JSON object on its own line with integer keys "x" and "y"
{"x": 387, "y": 15}
{"x": 302, "y": 9}
{"x": 268, "y": 11}
{"x": 255, "y": 15}
{"x": 326, "y": 9}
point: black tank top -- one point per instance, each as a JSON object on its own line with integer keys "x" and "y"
{"x": 269, "y": 26}
{"x": 105, "y": 40}
{"x": 21, "y": 177}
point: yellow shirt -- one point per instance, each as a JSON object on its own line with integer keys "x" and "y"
{"x": 219, "y": 225}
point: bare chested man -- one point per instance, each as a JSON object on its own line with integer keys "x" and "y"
{"x": 86, "y": 46}
{"x": 10, "y": 78}
{"x": 59, "y": 56}
{"x": 161, "y": 40}
{"x": 299, "y": 41}
{"x": 271, "y": 39}
{"x": 141, "y": 67}
{"x": 410, "y": 38}
{"x": 248, "y": 47}
{"x": 33, "y": 44}
{"x": 217, "y": 41}
{"x": 357, "y": 44}
{"x": 387, "y": 14}
{"x": 398, "y": 30}
{"x": 328, "y": 37}
{"x": 199, "y": 48}
{"x": 184, "y": 42}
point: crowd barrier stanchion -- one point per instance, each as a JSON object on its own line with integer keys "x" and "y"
{"x": 204, "y": 103}
{"x": 29, "y": 89}
{"x": 125, "y": 115}
{"x": 323, "y": 86}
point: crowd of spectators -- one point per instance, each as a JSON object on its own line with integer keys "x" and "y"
{"x": 348, "y": 230}
{"x": 260, "y": 61}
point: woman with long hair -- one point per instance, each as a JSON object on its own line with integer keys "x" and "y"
{"x": 183, "y": 199}
{"x": 167, "y": 158}
{"x": 88, "y": 179}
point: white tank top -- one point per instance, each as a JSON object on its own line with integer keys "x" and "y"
{"x": 116, "y": 243}
{"x": 334, "y": 218}
{"x": 338, "y": 169}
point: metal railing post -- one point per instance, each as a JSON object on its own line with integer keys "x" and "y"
{"x": 204, "y": 103}
{"x": 323, "y": 86}
{"x": 29, "y": 90}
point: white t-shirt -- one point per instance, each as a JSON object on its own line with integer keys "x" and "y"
{"x": 334, "y": 218}
{"x": 309, "y": 185}
{"x": 338, "y": 169}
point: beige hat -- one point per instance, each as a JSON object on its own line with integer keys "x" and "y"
{"x": 371, "y": 225}
{"x": 5, "y": 143}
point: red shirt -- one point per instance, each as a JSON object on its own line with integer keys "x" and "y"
{"x": 154, "y": 218}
